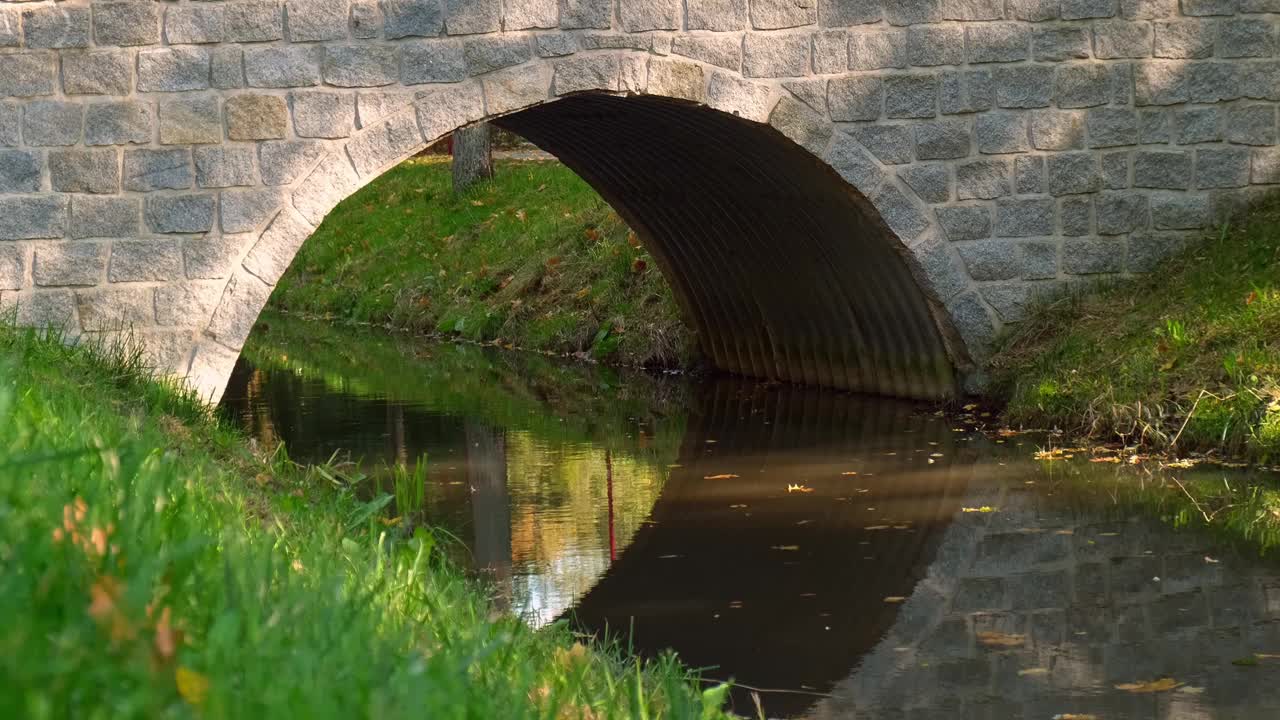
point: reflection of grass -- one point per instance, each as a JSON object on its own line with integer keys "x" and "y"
{"x": 154, "y": 567}
{"x": 534, "y": 258}
{"x": 552, "y": 399}
{"x": 1189, "y": 353}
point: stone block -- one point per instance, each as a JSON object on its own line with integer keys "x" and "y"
{"x": 486, "y": 54}
{"x": 19, "y": 171}
{"x": 412, "y": 18}
{"x": 1028, "y": 175}
{"x": 177, "y": 304}
{"x": 69, "y": 264}
{"x": 1084, "y": 9}
{"x": 966, "y": 92}
{"x": 941, "y": 268}
{"x": 313, "y": 20}
{"x": 1183, "y": 39}
{"x": 118, "y": 123}
{"x": 1180, "y": 212}
{"x": 1209, "y": 82}
{"x": 642, "y": 15}
{"x": 942, "y": 140}
{"x": 287, "y": 66}
{"x": 33, "y": 217}
{"x": 1079, "y": 86}
{"x": 983, "y": 180}
{"x": 224, "y": 166}
{"x": 97, "y": 72}
{"x": 386, "y": 142}
{"x": 997, "y": 42}
{"x": 126, "y": 23}
{"x": 855, "y": 98}
{"x": 56, "y": 27}
{"x": 432, "y": 61}
{"x": 1249, "y": 124}
{"x": 360, "y": 65}
{"x": 1073, "y": 173}
{"x": 531, "y": 15}
{"x": 990, "y": 259}
{"x": 180, "y": 213}
{"x": 830, "y": 52}
{"x": 237, "y": 310}
{"x": 930, "y": 45}
{"x": 1076, "y": 216}
{"x": 911, "y": 96}
{"x": 1039, "y": 260}
{"x": 253, "y": 21}
{"x": 256, "y": 117}
{"x": 85, "y": 171}
{"x": 774, "y": 14}
{"x": 1010, "y": 301}
{"x": 718, "y": 15}
{"x": 1222, "y": 167}
{"x": 1092, "y": 256}
{"x": 1055, "y": 44}
{"x": 1115, "y": 170}
{"x": 327, "y": 185}
{"x": 120, "y": 310}
{"x": 770, "y": 56}
{"x": 720, "y": 50}
{"x": 902, "y": 213}
{"x": 194, "y": 24}
{"x": 1196, "y": 125}
{"x": 10, "y": 124}
{"x": 144, "y": 260}
{"x": 965, "y": 222}
{"x": 1247, "y": 37}
{"x": 1112, "y": 127}
{"x": 249, "y": 210}
{"x": 52, "y": 123}
{"x": 211, "y": 258}
{"x": 1164, "y": 82}
{"x": 1162, "y": 169}
{"x": 593, "y": 72}
{"x": 930, "y": 181}
{"x": 366, "y": 19}
{"x": 173, "y": 69}
{"x": 28, "y": 74}
{"x": 891, "y": 144}
{"x": 146, "y": 169}
{"x": 801, "y": 124}
{"x": 848, "y": 158}
{"x": 373, "y": 106}
{"x": 319, "y": 114}
{"x": 1265, "y": 166}
{"x": 1024, "y": 86}
{"x": 1001, "y": 132}
{"x": 271, "y": 255}
{"x": 190, "y": 120}
{"x": 974, "y": 322}
{"x": 13, "y": 267}
{"x": 877, "y": 50}
{"x": 105, "y": 217}
{"x": 676, "y": 79}
{"x": 1024, "y": 217}
{"x": 511, "y": 90}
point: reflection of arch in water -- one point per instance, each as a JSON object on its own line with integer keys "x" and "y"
{"x": 778, "y": 592}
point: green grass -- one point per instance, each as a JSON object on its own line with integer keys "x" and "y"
{"x": 1186, "y": 358}
{"x": 154, "y": 566}
{"x": 533, "y": 259}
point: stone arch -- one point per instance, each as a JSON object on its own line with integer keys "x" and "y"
{"x": 888, "y": 331}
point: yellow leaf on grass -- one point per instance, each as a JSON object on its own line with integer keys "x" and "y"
{"x": 991, "y": 638}
{"x": 192, "y": 686}
{"x": 722, "y": 476}
{"x": 895, "y": 599}
{"x": 390, "y": 522}
{"x": 1154, "y": 686}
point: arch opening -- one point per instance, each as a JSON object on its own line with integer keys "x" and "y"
{"x": 785, "y": 271}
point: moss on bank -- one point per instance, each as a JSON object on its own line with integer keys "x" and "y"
{"x": 156, "y": 566}
{"x": 1185, "y": 358}
{"x": 534, "y": 259}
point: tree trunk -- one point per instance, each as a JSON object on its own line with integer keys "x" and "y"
{"x": 490, "y": 507}
{"x": 472, "y": 157}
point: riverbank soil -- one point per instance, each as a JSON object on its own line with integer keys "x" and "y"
{"x": 1185, "y": 359}
{"x": 156, "y": 564}
{"x": 534, "y": 259}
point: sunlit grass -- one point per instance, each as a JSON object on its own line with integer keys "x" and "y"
{"x": 1186, "y": 357}
{"x": 154, "y": 566}
{"x": 534, "y": 258}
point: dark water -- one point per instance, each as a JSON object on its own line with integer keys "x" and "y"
{"x": 850, "y": 557}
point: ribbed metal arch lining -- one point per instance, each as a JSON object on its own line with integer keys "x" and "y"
{"x": 785, "y": 271}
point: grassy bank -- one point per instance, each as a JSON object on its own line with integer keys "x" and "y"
{"x": 533, "y": 259}
{"x": 155, "y": 566}
{"x": 1186, "y": 358}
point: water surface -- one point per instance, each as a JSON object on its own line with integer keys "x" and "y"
{"x": 847, "y": 556}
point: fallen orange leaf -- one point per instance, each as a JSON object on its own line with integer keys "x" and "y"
{"x": 1154, "y": 686}
{"x": 991, "y": 638}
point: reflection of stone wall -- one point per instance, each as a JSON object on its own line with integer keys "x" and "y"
{"x": 1100, "y": 602}
{"x": 163, "y": 162}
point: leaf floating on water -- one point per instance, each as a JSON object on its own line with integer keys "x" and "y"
{"x": 993, "y": 639}
{"x": 1154, "y": 686}
{"x": 669, "y": 557}
{"x": 1034, "y": 671}
{"x": 983, "y": 509}
{"x": 723, "y": 476}
{"x": 1247, "y": 661}
{"x": 1075, "y": 716}
{"x": 786, "y": 548}
{"x": 675, "y": 465}
{"x": 876, "y": 527}
{"x": 798, "y": 488}
{"x": 737, "y": 506}
{"x": 849, "y": 473}
{"x": 970, "y": 407}
{"x": 1105, "y": 459}
{"x": 895, "y": 599}
{"x": 1183, "y": 464}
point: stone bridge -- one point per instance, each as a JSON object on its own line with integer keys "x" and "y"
{"x": 858, "y": 193}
